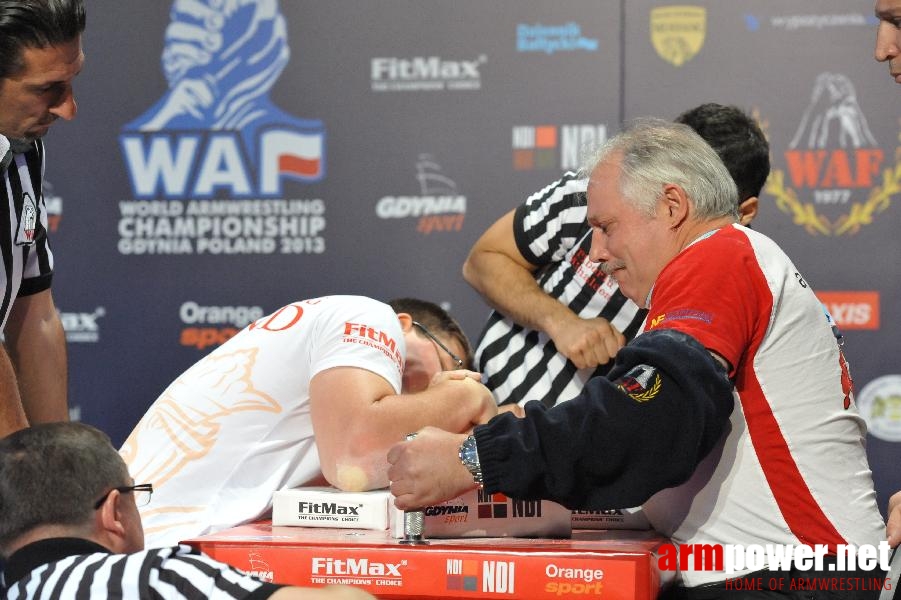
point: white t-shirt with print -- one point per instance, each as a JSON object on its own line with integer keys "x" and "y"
{"x": 236, "y": 426}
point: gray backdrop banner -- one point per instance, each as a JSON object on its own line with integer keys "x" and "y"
{"x": 297, "y": 148}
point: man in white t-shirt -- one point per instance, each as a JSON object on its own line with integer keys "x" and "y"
{"x": 320, "y": 387}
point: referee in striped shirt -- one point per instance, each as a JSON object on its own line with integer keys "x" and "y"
{"x": 70, "y": 528}
{"x": 40, "y": 42}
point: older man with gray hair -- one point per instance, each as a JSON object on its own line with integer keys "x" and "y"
{"x": 730, "y": 418}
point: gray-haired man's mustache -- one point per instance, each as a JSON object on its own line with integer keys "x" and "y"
{"x": 609, "y": 267}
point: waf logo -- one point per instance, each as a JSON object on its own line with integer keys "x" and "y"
{"x": 557, "y": 147}
{"x": 215, "y": 132}
{"x": 677, "y": 32}
{"x": 835, "y": 178}
{"x": 642, "y": 383}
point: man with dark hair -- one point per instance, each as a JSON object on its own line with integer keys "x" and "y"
{"x": 40, "y": 42}
{"x": 558, "y": 319}
{"x": 321, "y": 387}
{"x": 71, "y": 529}
{"x": 730, "y": 419}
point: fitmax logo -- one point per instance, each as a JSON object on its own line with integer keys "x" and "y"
{"x": 327, "y": 508}
{"x": 354, "y": 566}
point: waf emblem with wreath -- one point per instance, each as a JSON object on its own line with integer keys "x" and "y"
{"x": 642, "y": 383}
{"x": 834, "y": 181}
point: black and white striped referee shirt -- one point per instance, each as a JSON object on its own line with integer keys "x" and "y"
{"x": 519, "y": 364}
{"x": 73, "y": 568}
{"x": 24, "y": 249}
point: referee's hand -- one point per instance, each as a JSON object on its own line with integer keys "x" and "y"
{"x": 427, "y": 470}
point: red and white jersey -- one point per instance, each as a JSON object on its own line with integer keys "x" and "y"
{"x": 793, "y": 467}
{"x": 236, "y": 426}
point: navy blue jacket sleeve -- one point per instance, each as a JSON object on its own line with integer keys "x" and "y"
{"x": 642, "y": 428}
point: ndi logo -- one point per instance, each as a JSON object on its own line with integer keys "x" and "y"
{"x": 539, "y": 146}
{"x": 216, "y": 132}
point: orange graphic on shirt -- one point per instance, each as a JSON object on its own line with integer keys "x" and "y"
{"x": 183, "y": 425}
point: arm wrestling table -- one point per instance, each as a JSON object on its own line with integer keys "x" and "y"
{"x": 608, "y": 564}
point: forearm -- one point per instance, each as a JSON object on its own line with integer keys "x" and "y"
{"x": 12, "y": 417}
{"x": 605, "y": 449}
{"x": 512, "y": 290}
{"x": 354, "y": 438}
{"x": 452, "y": 405}
{"x": 37, "y": 349}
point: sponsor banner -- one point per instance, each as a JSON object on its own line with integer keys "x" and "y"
{"x": 82, "y": 327}
{"x": 222, "y": 227}
{"x": 617, "y": 518}
{"x": 211, "y": 326}
{"x": 426, "y": 74}
{"x": 491, "y": 568}
{"x": 479, "y": 514}
{"x": 554, "y": 147}
{"x": 208, "y": 161}
{"x": 329, "y": 507}
{"x": 794, "y": 23}
{"x": 879, "y": 401}
{"x": 439, "y": 207}
{"x": 550, "y": 39}
{"x": 852, "y": 310}
{"x": 677, "y": 32}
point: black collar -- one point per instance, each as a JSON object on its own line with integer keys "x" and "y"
{"x": 27, "y": 558}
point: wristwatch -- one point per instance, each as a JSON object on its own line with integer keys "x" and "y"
{"x": 469, "y": 456}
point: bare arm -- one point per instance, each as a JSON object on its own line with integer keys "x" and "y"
{"x": 12, "y": 417}
{"x": 500, "y": 273}
{"x": 37, "y": 348}
{"x": 357, "y": 417}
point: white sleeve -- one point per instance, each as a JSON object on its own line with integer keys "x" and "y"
{"x": 360, "y": 332}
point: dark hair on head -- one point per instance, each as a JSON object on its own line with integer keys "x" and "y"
{"x": 52, "y": 474}
{"x": 738, "y": 140}
{"x": 437, "y": 320}
{"x": 36, "y": 24}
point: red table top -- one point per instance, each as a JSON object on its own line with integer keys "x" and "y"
{"x": 605, "y": 564}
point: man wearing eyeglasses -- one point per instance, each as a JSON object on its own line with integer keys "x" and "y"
{"x": 71, "y": 529}
{"x": 321, "y": 387}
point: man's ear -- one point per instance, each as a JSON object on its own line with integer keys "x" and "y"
{"x": 747, "y": 210}
{"x": 110, "y": 515}
{"x": 675, "y": 204}
{"x": 406, "y": 321}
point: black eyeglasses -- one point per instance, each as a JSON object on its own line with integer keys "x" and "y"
{"x": 458, "y": 362}
{"x": 142, "y": 492}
